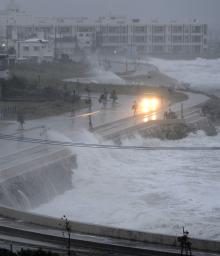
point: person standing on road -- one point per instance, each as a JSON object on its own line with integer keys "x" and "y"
{"x": 113, "y": 96}
{"x": 134, "y": 108}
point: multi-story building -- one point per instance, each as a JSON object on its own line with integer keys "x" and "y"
{"x": 35, "y": 50}
{"x": 114, "y": 34}
{"x": 141, "y": 37}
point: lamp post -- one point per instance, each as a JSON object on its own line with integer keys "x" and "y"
{"x": 89, "y": 101}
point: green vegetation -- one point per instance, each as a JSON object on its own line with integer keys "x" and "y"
{"x": 34, "y": 101}
{"x": 48, "y": 74}
{"x": 212, "y": 109}
{"x": 36, "y": 109}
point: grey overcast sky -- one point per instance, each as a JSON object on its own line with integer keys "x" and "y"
{"x": 205, "y": 10}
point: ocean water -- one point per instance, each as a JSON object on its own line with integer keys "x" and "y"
{"x": 154, "y": 191}
{"x": 202, "y": 74}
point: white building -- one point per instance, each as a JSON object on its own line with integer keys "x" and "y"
{"x": 36, "y": 50}
{"x": 132, "y": 36}
{"x": 153, "y": 37}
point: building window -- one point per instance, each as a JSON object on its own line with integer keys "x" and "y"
{"x": 186, "y": 29}
{"x": 196, "y": 29}
{"x": 26, "y": 48}
{"x": 85, "y": 29}
{"x": 124, "y": 39}
{"x": 158, "y": 39}
{"x": 186, "y": 39}
{"x": 114, "y": 29}
{"x": 139, "y": 29}
{"x": 124, "y": 29}
{"x": 177, "y": 29}
{"x": 196, "y": 39}
{"x": 139, "y": 39}
{"x": 104, "y": 29}
{"x": 114, "y": 39}
{"x": 177, "y": 39}
{"x": 36, "y": 48}
{"x": 158, "y": 29}
{"x": 65, "y": 29}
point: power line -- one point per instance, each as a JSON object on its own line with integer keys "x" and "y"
{"x": 101, "y": 146}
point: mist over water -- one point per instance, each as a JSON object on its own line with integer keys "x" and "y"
{"x": 157, "y": 191}
{"x": 98, "y": 73}
{"x": 202, "y": 74}
{"x": 102, "y": 76}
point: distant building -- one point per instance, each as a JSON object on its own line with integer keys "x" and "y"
{"x": 214, "y": 41}
{"x": 35, "y": 50}
{"x": 113, "y": 34}
{"x": 4, "y": 61}
{"x": 141, "y": 37}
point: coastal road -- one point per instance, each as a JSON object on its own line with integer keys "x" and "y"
{"x": 126, "y": 124}
{"x": 73, "y": 124}
{"x": 24, "y": 235}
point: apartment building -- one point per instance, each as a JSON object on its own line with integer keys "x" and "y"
{"x": 138, "y": 36}
{"x": 113, "y": 34}
{"x": 35, "y": 50}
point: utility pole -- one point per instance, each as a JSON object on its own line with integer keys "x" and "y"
{"x": 182, "y": 111}
{"x": 7, "y": 35}
{"x": 55, "y": 43}
{"x": 89, "y": 107}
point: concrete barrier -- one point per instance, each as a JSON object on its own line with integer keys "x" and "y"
{"x": 37, "y": 180}
{"x": 91, "y": 229}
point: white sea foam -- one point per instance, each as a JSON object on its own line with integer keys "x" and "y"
{"x": 201, "y": 73}
{"x": 102, "y": 76}
{"x": 146, "y": 190}
{"x": 150, "y": 190}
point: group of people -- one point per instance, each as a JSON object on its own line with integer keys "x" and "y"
{"x": 169, "y": 115}
{"x": 104, "y": 97}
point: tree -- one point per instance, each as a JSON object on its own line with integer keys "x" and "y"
{"x": 68, "y": 230}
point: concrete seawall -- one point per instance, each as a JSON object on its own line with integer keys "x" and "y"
{"x": 197, "y": 244}
{"x": 27, "y": 183}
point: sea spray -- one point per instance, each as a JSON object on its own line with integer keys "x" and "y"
{"x": 202, "y": 74}
{"x": 145, "y": 190}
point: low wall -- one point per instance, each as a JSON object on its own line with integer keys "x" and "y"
{"x": 37, "y": 181}
{"x": 204, "y": 245}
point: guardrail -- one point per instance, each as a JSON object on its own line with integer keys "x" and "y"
{"x": 104, "y": 231}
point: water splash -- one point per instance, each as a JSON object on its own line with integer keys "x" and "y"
{"x": 149, "y": 191}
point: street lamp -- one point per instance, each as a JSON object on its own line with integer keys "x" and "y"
{"x": 3, "y": 47}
